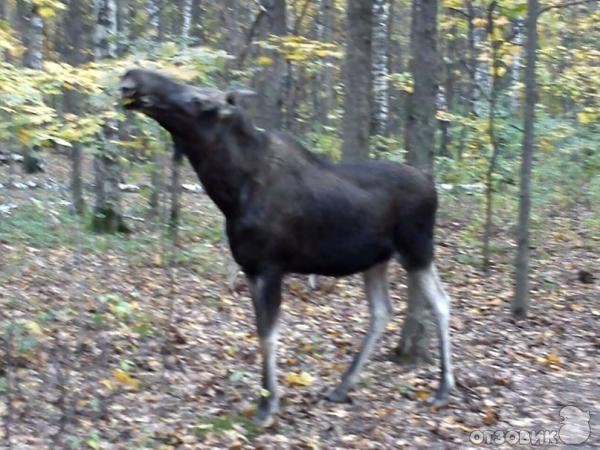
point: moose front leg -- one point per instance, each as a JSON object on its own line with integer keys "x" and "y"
{"x": 266, "y": 298}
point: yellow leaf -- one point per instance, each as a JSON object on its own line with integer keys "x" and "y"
{"x": 299, "y": 379}
{"x": 107, "y": 384}
{"x": 322, "y": 53}
{"x": 46, "y": 12}
{"x": 125, "y": 378}
{"x": 264, "y": 60}
{"x": 490, "y": 417}
{"x": 552, "y": 359}
{"x": 422, "y": 394}
{"x": 479, "y": 22}
{"x": 33, "y": 327}
{"x": 584, "y": 118}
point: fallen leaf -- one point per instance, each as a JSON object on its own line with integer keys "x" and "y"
{"x": 299, "y": 379}
{"x": 125, "y": 378}
{"x": 490, "y": 417}
{"x": 422, "y": 394}
{"x": 552, "y": 359}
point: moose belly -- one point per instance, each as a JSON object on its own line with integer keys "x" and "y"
{"x": 342, "y": 248}
{"x": 345, "y": 258}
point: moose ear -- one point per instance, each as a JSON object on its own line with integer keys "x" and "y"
{"x": 233, "y": 96}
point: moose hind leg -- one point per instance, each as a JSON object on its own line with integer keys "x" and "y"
{"x": 431, "y": 287}
{"x": 380, "y": 309}
{"x": 266, "y": 299}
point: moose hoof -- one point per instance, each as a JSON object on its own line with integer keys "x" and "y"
{"x": 264, "y": 420}
{"x": 441, "y": 398}
{"x": 265, "y": 413}
{"x": 339, "y": 396}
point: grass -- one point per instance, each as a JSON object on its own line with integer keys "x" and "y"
{"x": 221, "y": 424}
{"x": 52, "y": 227}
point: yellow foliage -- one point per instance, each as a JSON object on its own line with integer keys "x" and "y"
{"x": 584, "y": 118}
{"x": 264, "y": 60}
{"x": 479, "y": 22}
{"x": 299, "y": 379}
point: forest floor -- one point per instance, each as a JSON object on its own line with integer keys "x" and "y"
{"x": 131, "y": 345}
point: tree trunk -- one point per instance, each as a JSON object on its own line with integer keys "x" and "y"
{"x": 107, "y": 210}
{"x": 381, "y": 103}
{"x": 380, "y": 69}
{"x": 323, "y": 93}
{"x": 33, "y": 59}
{"x": 174, "y": 217}
{"x": 155, "y": 19}
{"x": 397, "y": 53}
{"x": 73, "y": 54}
{"x": 357, "y": 80}
{"x": 446, "y": 98}
{"x": 270, "y": 79}
{"x": 186, "y": 20}
{"x": 521, "y": 300}
{"x": 155, "y": 181}
{"x": 516, "y": 66}
{"x": 489, "y": 192}
{"x": 196, "y": 21}
{"x": 442, "y": 105}
{"x": 424, "y": 69}
{"x": 420, "y": 129}
{"x": 106, "y": 29}
{"x": 123, "y": 24}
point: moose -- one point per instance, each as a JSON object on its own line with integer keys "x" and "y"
{"x": 287, "y": 210}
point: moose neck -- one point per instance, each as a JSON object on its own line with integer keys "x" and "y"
{"x": 226, "y": 156}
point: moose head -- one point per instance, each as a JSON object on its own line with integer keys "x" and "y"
{"x": 180, "y": 108}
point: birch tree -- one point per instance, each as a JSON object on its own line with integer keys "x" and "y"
{"x": 34, "y": 59}
{"x": 107, "y": 210}
{"x": 380, "y": 67}
{"x": 186, "y": 19}
{"x": 323, "y": 88}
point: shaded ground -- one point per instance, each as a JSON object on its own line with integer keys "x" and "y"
{"x": 108, "y": 352}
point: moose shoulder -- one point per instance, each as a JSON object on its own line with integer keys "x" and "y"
{"x": 289, "y": 211}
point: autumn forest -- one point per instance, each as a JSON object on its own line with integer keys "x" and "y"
{"x": 125, "y": 322}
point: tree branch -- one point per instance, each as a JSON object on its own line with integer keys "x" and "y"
{"x": 459, "y": 12}
{"x": 250, "y": 35}
{"x": 562, "y": 5}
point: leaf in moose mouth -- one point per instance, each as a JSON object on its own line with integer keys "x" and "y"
{"x": 126, "y": 101}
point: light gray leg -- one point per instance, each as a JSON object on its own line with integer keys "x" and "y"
{"x": 312, "y": 282}
{"x": 380, "y": 310}
{"x": 430, "y": 285}
{"x": 266, "y": 298}
{"x": 232, "y": 273}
